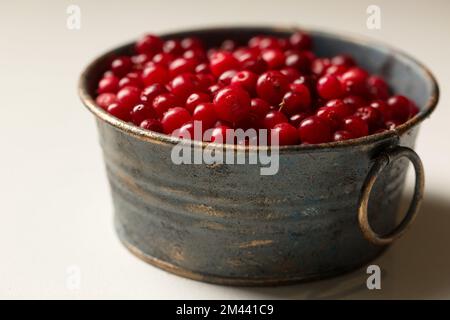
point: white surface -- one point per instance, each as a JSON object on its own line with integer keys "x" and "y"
{"x": 55, "y": 205}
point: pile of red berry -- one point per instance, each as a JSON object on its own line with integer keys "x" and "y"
{"x": 270, "y": 83}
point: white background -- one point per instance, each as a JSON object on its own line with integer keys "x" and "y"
{"x": 55, "y": 206}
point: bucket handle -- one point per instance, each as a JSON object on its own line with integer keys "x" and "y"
{"x": 380, "y": 163}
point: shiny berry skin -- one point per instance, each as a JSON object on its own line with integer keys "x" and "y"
{"x": 291, "y": 73}
{"x": 320, "y": 65}
{"x": 132, "y": 79}
{"x": 314, "y": 130}
{"x": 287, "y": 134}
{"x": 119, "y": 111}
{"x": 183, "y": 85}
{"x": 195, "y": 99}
{"x": 181, "y": 65}
{"x": 273, "y": 57}
{"x": 232, "y": 104}
{"x": 174, "y": 118}
{"x": 301, "y": 41}
{"x": 172, "y": 47}
{"x": 344, "y": 60}
{"x": 149, "y": 93}
{"x": 155, "y": 74}
{"x": 329, "y": 87}
{"x": 190, "y": 43}
{"x": 297, "y": 118}
{"x": 254, "y": 64}
{"x": 273, "y": 118}
{"x": 149, "y": 44}
{"x": 186, "y": 131}
{"x": 400, "y": 108}
{"x": 246, "y": 79}
{"x": 330, "y": 115}
{"x": 121, "y": 66}
{"x": 354, "y": 81}
{"x": 342, "y": 135}
{"x": 371, "y": 116}
{"x": 108, "y": 85}
{"x": 163, "y": 59}
{"x": 105, "y": 99}
{"x": 356, "y": 126}
{"x": 384, "y": 109}
{"x": 378, "y": 88}
{"x": 271, "y": 86}
{"x": 141, "y": 112}
{"x": 163, "y": 102}
{"x": 259, "y": 107}
{"x": 298, "y": 61}
{"x": 152, "y": 125}
{"x": 205, "y": 113}
{"x": 128, "y": 97}
{"x": 225, "y": 78}
{"x": 222, "y": 61}
{"x": 354, "y": 102}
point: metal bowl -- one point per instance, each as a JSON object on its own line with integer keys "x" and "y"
{"x": 228, "y": 224}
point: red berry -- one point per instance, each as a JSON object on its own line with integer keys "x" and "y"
{"x": 152, "y": 125}
{"x": 163, "y": 102}
{"x": 183, "y": 85}
{"x": 356, "y": 126}
{"x": 344, "y": 60}
{"x": 205, "y": 113}
{"x": 119, "y": 111}
{"x": 128, "y": 97}
{"x": 172, "y": 47}
{"x": 131, "y": 79}
{"x": 195, "y": 99}
{"x": 232, "y": 104}
{"x": 254, "y": 64}
{"x": 121, "y": 66}
{"x": 259, "y": 107}
{"x": 378, "y": 88}
{"x": 273, "y": 118}
{"x": 222, "y": 61}
{"x": 246, "y": 79}
{"x": 383, "y": 108}
{"x": 219, "y": 134}
{"x": 371, "y": 116}
{"x": 273, "y": 57}
{"x": 298, "y": 61}
{"x": 329, "y": 87}
{"x": 342, "y": 135}
{"x": 354, "y": 102}
{"x": 225, "y": 78}
{"x": 190, "y": 43}
{"x": 400, "y": 108}
{"x": 155, "y": 74}
{"x": 149, "y": 44}
{"x": 296, "y": 119}
{"x": 181, "y": 65}
{"x": 354, "y": 81}
{"x": 301, "y": 41}
{"x": 287, "y": 134}
{"x": 271, "y": 86}
{"x": 149, "y": 93}
{"x": 141, "y": 112}
{"x": 291, "y": 73}
{"x": 105, "y": 99}
{"x": 174, "y": 118}
{"x": 314, "y": 130}
{"x": 163, "y": 59}
{"x": 108, "y": 84}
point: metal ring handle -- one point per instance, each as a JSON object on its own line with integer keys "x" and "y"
{"x": 380, "y": 163}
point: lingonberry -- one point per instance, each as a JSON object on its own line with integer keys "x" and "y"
{"x": 205, "y": 80}
{"x": 152, "y": 125}
{"x": 198, "y": 55}
{"x": 356, "y": 126}
{"x": 149, "y": 44}
{"x": 149, "y": 93}
{"x": 228, "y": 45}
{"x": 294, "y": 102}
{"x": 190, "y": 43}
{"x": 172, "y": 47}
{"x": 287, "y": 134}
{"x": 301, "y": 41}
{"x": 354, "y": 102}
{"x": 155, "y": 74}
{"x": 320, "y": 65}
{"x": 108, "y": 84}
{"x": 354, "y": 81}
{"x": 273, "y": 118}
{"x": 163, "y": 59}
{"x": 195, "y": 99}
{"x": 342, "y": 135}
{"x": 298, "y": 61}
{"x": 371, "y": 116}
{"x": 246, "y": 79}
{"x": 181, "y": 65}
{"x": 254, "y": 64}
{"x": 205, "y": 113}
{"x": 225, "y": 78}
{"x": 132, "y": 79}
{"x": 222, "y": 61}
{"x": 119, "y": 111}
{"x": 378, "y": 88}
{"x": 383, "y": 107}
{"x": 121, "y": 66}
{"x": 291, "y": 73}
{"x": 273, "y": 57}
{"x": 258, "y": 110}
{"x": 271, "y": 86}
{"x": 103, "y": 100}
{"x": 297, "y": 118}
{"x": 183, "y": 85}
{"x": 128, "y": 97}
{"x": 163, "y": 102}
{"x": 400, "y": 107}
{"x": 314, "y": 130}
{"x": 344, "y": 60}
{"x": 232, "y": 104}
{"x": 329, "y": 87}
{"x": 174, "y": 118}
{"x": 141, "y": 112}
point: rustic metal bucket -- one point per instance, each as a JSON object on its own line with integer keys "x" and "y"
{"x": 227, "y": 224}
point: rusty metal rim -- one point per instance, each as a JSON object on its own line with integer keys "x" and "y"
{"x": 240, "y": 282}
{"x": 154, "y": 137}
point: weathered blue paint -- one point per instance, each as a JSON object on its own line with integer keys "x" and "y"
{"x": 228, "y": 224}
